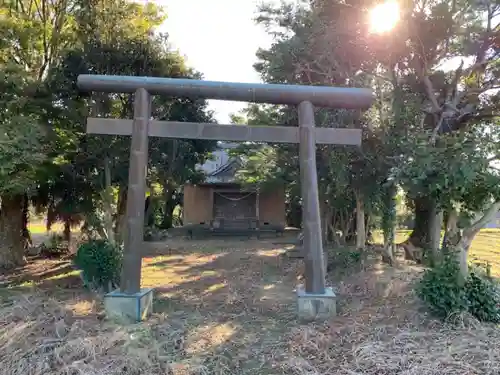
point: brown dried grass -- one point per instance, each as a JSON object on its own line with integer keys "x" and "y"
{"x": 381, "y": 330}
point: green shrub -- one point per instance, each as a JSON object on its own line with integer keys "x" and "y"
{"x": 100, "y": 263}
{"x": 483, "y": 297}
{"x": 441, "y": 291}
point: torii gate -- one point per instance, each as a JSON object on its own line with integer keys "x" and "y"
{"x": 314, "y": 299}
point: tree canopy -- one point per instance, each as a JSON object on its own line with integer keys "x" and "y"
{"x": 433, "y": 130}
{"x": 47, "y": 158}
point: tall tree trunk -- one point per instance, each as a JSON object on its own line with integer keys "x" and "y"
{"x": 11, "y": 232}
{"x": 435, "y": 223}
{"x": 121, "y": 209}
{"x": 368, "y": 231}
{"x": 424, "y": 241}
{"x": 326, "y": 216}
{"x": 108, "y": 202}
{"x": 67, "y": 230}
{"x": 419, "y": 237}
{"x": 389, "y": 224}
{"x": 451, "y": 233}
{"x": 149, "y": 209}
{"x": 26, "y": 232}
{"x": 169, "y": 205}
{"x": 360, "y": 222}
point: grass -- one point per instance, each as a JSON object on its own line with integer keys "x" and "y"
{"x": 40, "y": 227}
{"x": 228, "y": 307}
{"x": 484, "y": 248}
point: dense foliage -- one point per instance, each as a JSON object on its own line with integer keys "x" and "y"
{"x": 442, "y": 289}
{"x": 99, "y": 262}
{"x": 48, "y": 161}
{"x": 431, "y": 136}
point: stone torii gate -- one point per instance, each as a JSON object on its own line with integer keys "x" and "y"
{"x": 314, "y": 299}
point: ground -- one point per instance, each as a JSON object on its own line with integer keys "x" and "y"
{"x": 228, "y": 307}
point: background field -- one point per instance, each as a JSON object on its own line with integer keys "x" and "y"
{"x": 485, "y": 247}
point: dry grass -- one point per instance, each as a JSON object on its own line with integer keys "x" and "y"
{"x": 228, "y": 308}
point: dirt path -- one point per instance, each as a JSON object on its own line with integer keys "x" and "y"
{"x": 234, "y": 301}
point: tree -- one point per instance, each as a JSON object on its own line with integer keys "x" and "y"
{"x": 416, "y": 96}
{"x": 33, "y": 34}
{"x": 22, "y": 152}
{"x": 48, "y": 158}
{"x": 427, "y": 121}
{"x": 456, "y": 107}
{"x": 174, "y": 162}
{"x": 311, "y": 48}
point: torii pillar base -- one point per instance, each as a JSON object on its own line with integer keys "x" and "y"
{"x": 316, "y": 306}
{"x": 129, "y": 308}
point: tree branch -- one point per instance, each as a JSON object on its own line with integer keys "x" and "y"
{"x": 482, "y": 221}
{"x": 429, "y": 89}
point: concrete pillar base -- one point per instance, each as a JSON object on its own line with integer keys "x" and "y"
{"x": 131, "y": 308}
{"x": 316, "y": 306}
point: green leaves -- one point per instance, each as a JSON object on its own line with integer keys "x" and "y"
{"x": 100, "y": 263}
{"x": 440, "y": 290}
{"x": 22, "y": 147}
{"x": 483, "y": 295}
{"x": 444, "y": 295}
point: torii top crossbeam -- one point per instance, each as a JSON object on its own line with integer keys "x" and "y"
{"x": 320, "y": 96}
{"x": 305, "y": 98}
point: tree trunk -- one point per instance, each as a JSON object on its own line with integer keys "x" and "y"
{"x": 389, "y": 224}
{"x": 360, "y": 222}
{"x": 368, "y": 231}
{"x": 462, "y": 253}
{"x": 325, "y": 229}
{"x": 11, "y": 232}
{"x": 169, "y": 205}
{"x": 149, "y": 211}
{"x": 108, "y": 202}
{"x": 326, "y": 218}
{"x": 67, "y": 231}
{"x": 464, "y": 242}
{"x": 121, "y": 209}
{"x": 419, "y": 236}
{"x": 168, "y": 212}
{"x": 28, "y": 242}
{"x": 451, "y": 233}
{"x": 434, "y": 233}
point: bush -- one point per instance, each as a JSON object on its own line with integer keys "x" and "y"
{"x": 345, "y": 259}
{"x": 483, "y": 296}
{"x": 443, "y": 294}
{"x": 100, "y": 263}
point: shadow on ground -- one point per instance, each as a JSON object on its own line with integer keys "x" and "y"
{"x": 37, "y": 270}
{"x": 234, "y": 298}
{"x": 228, "y": 307}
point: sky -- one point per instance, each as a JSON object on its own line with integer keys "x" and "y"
{"x": 219, "y": 39}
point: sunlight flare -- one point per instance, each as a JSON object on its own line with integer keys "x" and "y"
{"x": 384, "y": 17}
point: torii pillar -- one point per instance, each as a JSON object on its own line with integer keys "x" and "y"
{"x": 315, "y": 300}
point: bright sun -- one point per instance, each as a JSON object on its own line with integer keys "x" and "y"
{"x": 384, "y": 17}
